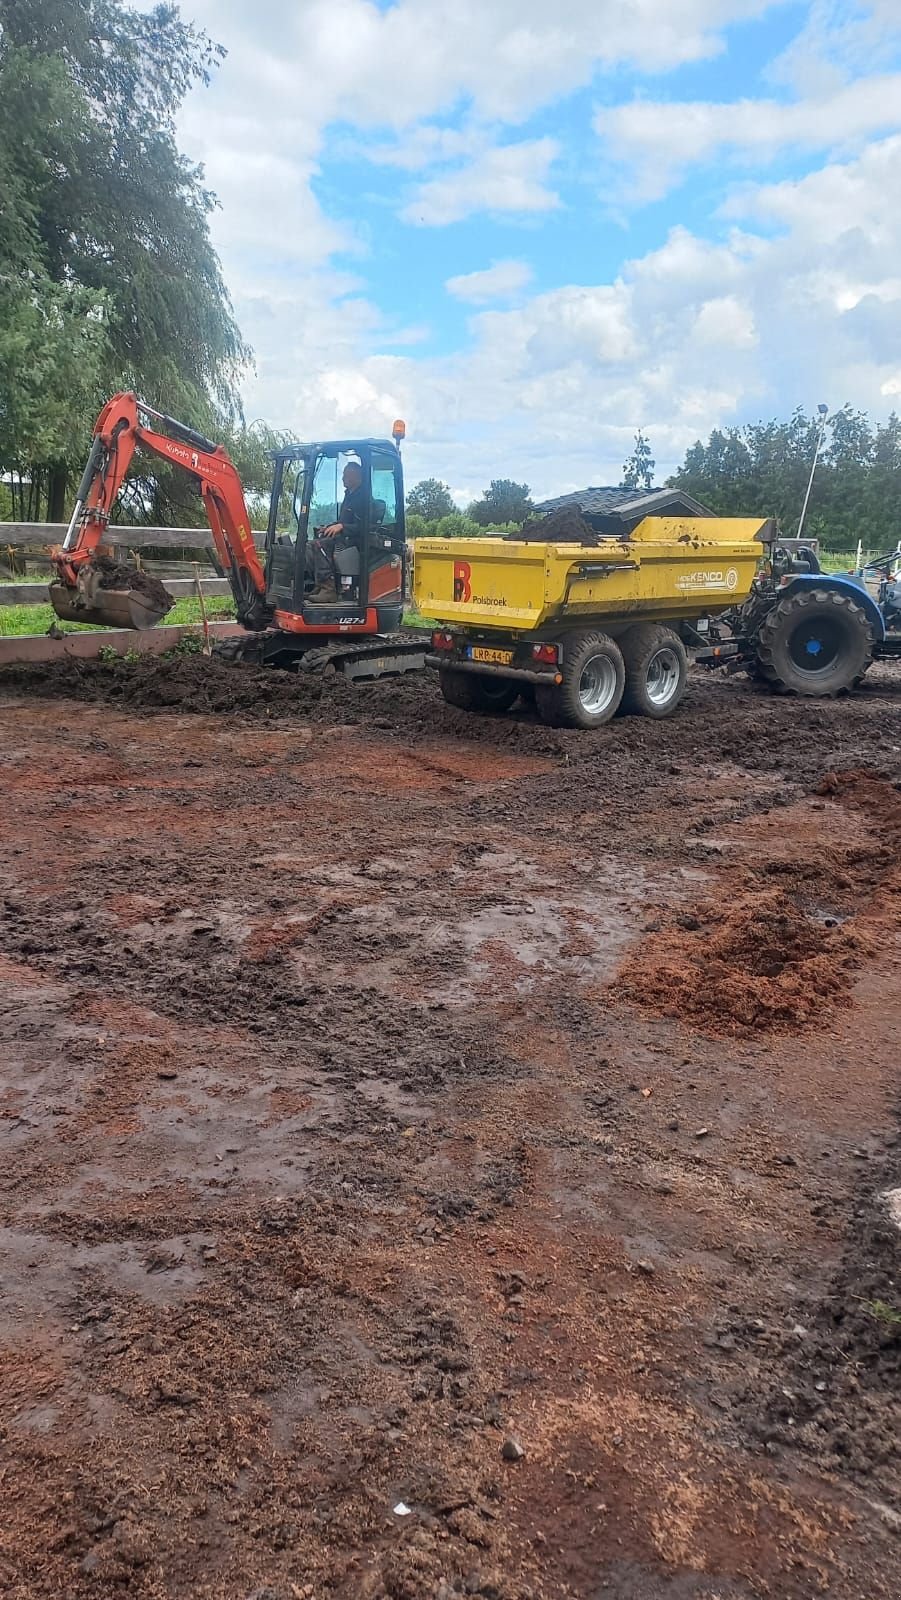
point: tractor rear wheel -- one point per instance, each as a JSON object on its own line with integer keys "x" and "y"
{"x": 592, "y": 687}
{"x": 656, "y": 670}
{"x": 815, "y": 642}
{"x": 477, "y": 691}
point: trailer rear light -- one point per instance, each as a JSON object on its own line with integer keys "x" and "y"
{"x": 442, "y": 641}
{"x": 547, "y": 654}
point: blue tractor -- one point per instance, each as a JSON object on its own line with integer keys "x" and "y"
{"x": 812, "y": 632}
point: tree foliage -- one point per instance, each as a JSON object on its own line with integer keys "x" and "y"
{"x": 430, "y": 499}
{"x": 108, "y": 277}
{"x": 763, "y": 469}
{"x": 505, "y": 501}
{"x": 159, "y": 495}
{"x": 455, "y": 526}
{"x": 638, "y": 471}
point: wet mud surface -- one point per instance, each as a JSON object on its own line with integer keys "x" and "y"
{"x": 385, "y": 1089}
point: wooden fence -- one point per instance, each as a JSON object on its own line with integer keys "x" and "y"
{"x": 36, "y": 594}
{"x": 39, "y": 538}
{"x": 45, "y": 534}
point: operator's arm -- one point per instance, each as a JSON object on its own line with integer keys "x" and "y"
{"x": 350, "y": 514}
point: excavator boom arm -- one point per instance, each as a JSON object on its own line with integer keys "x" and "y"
{"x": 118, "y": 432}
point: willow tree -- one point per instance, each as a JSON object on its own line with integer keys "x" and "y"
{"x": 108, "y": 276}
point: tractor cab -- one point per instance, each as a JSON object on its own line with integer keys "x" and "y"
{"x": 366, "y": 563}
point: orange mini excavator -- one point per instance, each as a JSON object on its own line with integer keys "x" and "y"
{"x": 272, "y": 589}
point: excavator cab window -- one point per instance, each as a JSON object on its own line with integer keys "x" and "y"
{"x": 386, "y": 531}
{"x": 285, "y": 522}
{"x": 340, "y": 493}
{"x": 308, "y": 493}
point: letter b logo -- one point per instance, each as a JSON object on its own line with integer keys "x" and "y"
{"x": 462, "y": 576}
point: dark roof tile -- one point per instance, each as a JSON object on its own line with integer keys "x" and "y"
{"x": 606, "y": 501}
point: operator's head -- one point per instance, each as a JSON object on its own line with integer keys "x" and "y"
{"x": 353, "y": 475}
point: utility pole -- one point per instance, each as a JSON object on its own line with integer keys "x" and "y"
{"x": 821, "y": 434}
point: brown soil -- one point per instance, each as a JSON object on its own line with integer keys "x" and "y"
{"x": 188, "y": 683}
{"x": 119, "y": 575}
{"x": 766, "y": 957}
{"x": 383, "y": 1083}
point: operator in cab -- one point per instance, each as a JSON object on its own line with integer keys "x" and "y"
{"x": 348, "y": 530}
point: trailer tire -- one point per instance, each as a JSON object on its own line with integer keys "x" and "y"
{"x": 815, "y": 642}
{"x": 656, "y": 670}
{"x": 476, "y": 691}
{"x": 593, "y": 678}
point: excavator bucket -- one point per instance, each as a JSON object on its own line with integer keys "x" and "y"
{"x": 111, "y": 595}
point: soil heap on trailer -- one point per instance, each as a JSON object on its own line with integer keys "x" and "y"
{"x": 591, "y": 622}
{"x": 331, "y": 579}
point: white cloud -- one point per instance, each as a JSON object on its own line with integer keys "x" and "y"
{"x": 689, "y": 336}
{"x": 840, "y": 39}
{"x": 427, "y": 146}
{"x": 294, "y": 70}
{"x": 796, "y": 301}
{"x": 862, "y": 196}
{"x": 351, "y": 59}
{"x": 501, "y": 281}
{"x": 726, "y": 323}
{"x": 511, "y": 177}
{"x": 660, "y": 140}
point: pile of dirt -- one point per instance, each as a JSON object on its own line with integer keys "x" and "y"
{"x": 192, "y": 683}
{"x": 757, "y": 964}
{"x": 567, "y": 526}
{"x": 188, "y": 684}
{"x": 119, "y": 575}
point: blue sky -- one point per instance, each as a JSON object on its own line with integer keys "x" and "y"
{"x": 531, "y": 230}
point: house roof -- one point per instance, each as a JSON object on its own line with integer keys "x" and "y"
{"x": 630, "y": 505}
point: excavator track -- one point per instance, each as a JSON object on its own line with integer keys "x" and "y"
{"x": 387, "y": 656}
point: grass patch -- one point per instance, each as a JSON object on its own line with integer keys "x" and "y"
{"x": 880, "y": 1312}
{"x": 15, "y": 620}
{"x": 415, "y": 619}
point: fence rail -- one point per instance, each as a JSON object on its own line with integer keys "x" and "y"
{"x": 46, "y": 534}
{"x": 42, "y": 536}
{"x": 36, "y": 594}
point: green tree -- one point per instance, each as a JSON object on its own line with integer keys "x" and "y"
{"x": 638, "y": 471}
{"x": 102, "y": 219}
{"x": 162, "y": 496}
{"x": 763, "y": 470}
{"x": 505, "y": 501}
{"x": 430, "y": 499}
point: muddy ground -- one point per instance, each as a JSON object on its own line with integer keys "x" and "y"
{"x": 386, "y": 1091}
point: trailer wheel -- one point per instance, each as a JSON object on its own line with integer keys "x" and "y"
{"x": 656, "y": 670}
{"x": 815, "y": 642}
{"x": 592, "y": 687}
{"x": 477, "y": 691}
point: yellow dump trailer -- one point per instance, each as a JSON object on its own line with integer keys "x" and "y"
{"x": 589, "y": 629}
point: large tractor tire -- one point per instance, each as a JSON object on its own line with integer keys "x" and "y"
{"x": 815, "y": 642}
{"x": 593, "y": 678}
{"x": 477, "y": 691}
{"x": 656, "y": 670}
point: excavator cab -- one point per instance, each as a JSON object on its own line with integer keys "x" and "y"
{"x": 366, "y": 562}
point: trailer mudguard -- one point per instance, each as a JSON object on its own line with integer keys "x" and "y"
{"x": 840, "y": 583}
